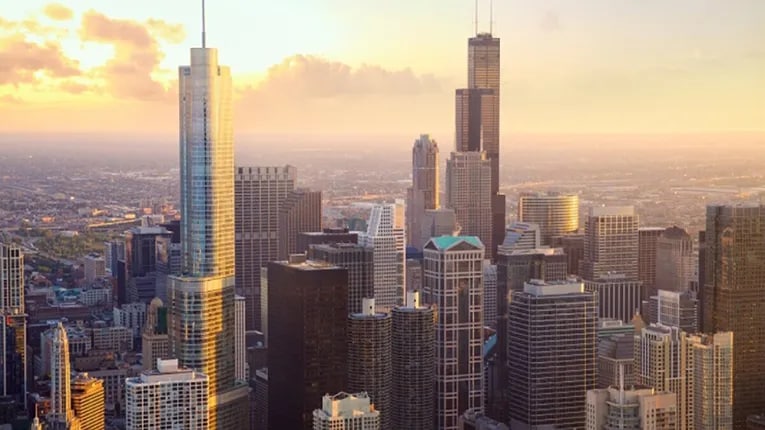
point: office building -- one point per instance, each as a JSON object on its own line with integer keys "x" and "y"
{"x": 346, "y": 411}
{"x": 358, "y": 260}
{"x": 261, "y": 399}
{"x": 520, "y": 266}
{"x": 573, "y": 247}
{"x": 616, "y": 354}
{"x": 259, "y": 195}
{"x": 299, "y": 213}
{"x": 471, "y": 107}
{"x": 155, "y": 341}
{"x": 13, "y": 325}
{"x": 167, "y": 398}
{"x": 553, "y": 348}
{"x": 673, "y": 309}
{"x": 141, "y": 262}
{"x": 556, "y": 214}
{"x": 61, "y": 414}
{"x": 713, "y": 365}
{"x": 468, "y": 193}
{"x": 413, "y": 274}
{"x": 386, "y": 237}
{"x": 438, "y": 222}
{"x": 201, "y": 299}
{"x": 307, "y": 340}
{"x": 325, "y": 236}
{"x": 424, "y": 193}
{"x": 647, "y": 246}
{"x": 369, "y": 358}
{"x": 168, "y": 255}
{"x": 610, "y": 243}
{"x": 414, "y": 359}
{"x": 453, "y": 282}
{"x": 131, "y": 316}
{"x": 88, "y": 402}
{"x": 674, "y": 261}
{"x": 489, "y": 294}
{"x": 618, "y": 297}
{"x": 240, "y": 351}
{"x": 94, "y": 267}
{"x": 521, "y": 236}
{"x": 114, "y": 251}
{"x": 618, "y": 407}
{"x": 734, "y": 296}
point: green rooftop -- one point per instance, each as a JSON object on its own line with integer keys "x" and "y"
{"x": 446, "y": 242}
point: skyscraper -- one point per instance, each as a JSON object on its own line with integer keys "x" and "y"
{"x": 734, "y": 297}
{"x": 453, "y": 282}
{"x": 155, "y": 341}
{"x": 60, "y": 415}
{"x": 414, "y": 360}
{"x": 299, "y": 213}
{"x": 674, "y": 260}
{"x": 88, "y": 401}
{"x": 259, "y": 195}
{"x": 555, "y": 214}
{"x": 240, "y": 363}
{"x": 369, "y": 358}
{"x": 553, "y": 350}
{"x": 347, "y": 411}
{"x": 141, "y": 262}
{"x": 386, "y": 238}
{"x": 359, "y": 262}
{"x": 13, "y": 324}
{"x": 202, "y": 298}
{"x": 468, "y": 193}
{"x": 713, "y": 380}
{"x": 307, "y": 340}
{"x": 472, "y": 107}
{"x": 622, "y": 407}
{"x": 647, "y": 246}
{"x": 424, "y": 193}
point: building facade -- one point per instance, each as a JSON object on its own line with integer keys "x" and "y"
{"x": 424, "y": 193}
{"x": 299, "y": 213}
{"x": 88, "y": 402}
{"x": 675, "y": 261}
{"x": 468, "y": 193}
{"x": 556, "y": 214}
{"x": 386, "y": 237}
{"x": 358, "y": 260}
{"x": 346, "y": 411}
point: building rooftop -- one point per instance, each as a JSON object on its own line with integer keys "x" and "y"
{"x": 447, "y": 242}
{"x": 538, "y": 287}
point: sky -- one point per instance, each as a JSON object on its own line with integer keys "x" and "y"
{"x": 355, "y": 67}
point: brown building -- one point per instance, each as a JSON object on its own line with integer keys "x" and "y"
{"x": 300, "y": 212}
{"x": 307, "y": 346}
{"x": 647, "y": 245}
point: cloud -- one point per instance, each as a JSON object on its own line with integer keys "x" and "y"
{"x": 550, "y": 22}
{"x": 23, "y": 59}
{"x": 58, "y": 12}
{"x": 10, "y": 100}
{"x": 136, "y": 53}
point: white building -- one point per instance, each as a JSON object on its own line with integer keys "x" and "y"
{"x": 166, "y": 399}
{"x": 643, "y": 409}
{"x": 94, "y": 267}
{"x": 61, "y": 413}
{"x": 521, "y": 236}
{"x": 453, "y": 282}
{"x": 386, "y": 237}
{"x": 345, "y": 411}
{"x": 132, "y": 316}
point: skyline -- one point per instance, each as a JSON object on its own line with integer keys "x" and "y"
{"x": 600, "y": 67}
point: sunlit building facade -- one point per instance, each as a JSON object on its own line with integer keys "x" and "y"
{"x": 556, "y": 214}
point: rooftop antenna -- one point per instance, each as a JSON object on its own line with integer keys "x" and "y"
{"x": 476, "y": 17}
{"x": 204, "y": 33}
{"x": 491, "y": 17}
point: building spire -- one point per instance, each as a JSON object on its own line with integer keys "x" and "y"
{"x": 204, "y": 33}
{"x": 491, "y": 17}
{"x": 476, "y": 17}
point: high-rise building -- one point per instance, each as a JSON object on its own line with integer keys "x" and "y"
{"x": 489, "y": 294}
{"x": 347, "y": 411}
{"x": 713, "y": 380}
{"x": 260, "y": 193}
{"x": 141, "y": 262}
{"x": 662, "y": 362}
{"x": 155, "y": 341}
{"x": 201, "y": 299}
{"x": 438, "y": 222}
{"x": 61, "y": 414}
{"x": 13, "y": 324}
{"x": 573, "y": 247}
{"x": 610, "y": 243}
{"x": 240, "y": 351}
{"x": 414, "y": 360}
{"x": 734, "y": 296}
{"x": 472, "y": 107}
{"x": 618, "y": 407}
{"x": 648, "y": 238}
{"x": 168, "y": 255}
{"x": 673, "y": 309}
{"x": 307, "y": 340}
{"x": 453, "y": 282}
{"x": 114, "y": 251}
{"x": 94, "y": 267}
{"x": 358, "y": 260}
{"x": 521, "y": 236}
{"x": 674, "y": 260}
{"x": 369, "y": 358}
{"x": 261, "y": 399}
{"x": 552, "y": 346}
{"x": 424, "y": 193}
{"x": 615, "y": 355}
{"x": 88, "y": 401}
{"x": 618, "y": 297}
{"x": 299, "y": 213}
{"x": 468, "y": 193}
{"x": 386, "y": 238}
{"x": 325, "y": 236}
{"x": 556, "y": 214}
{"x": 166, "y": 398}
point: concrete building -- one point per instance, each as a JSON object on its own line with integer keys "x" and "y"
{"x": 675, "y": 261}
{"x": 303, "y": 306}
{"x": 713, "y": 366}
{"x": 618, "y": 297}
{"x": 556, "y": 214}
{"x": 610, "y": 243}
{"x": 88, "y": 402}
{"x": 631, "y": 409}
{"x": 132, "y": 316}
{"x": 259, "y": 193}
{"x": 167, "y": 398}
{"x": 414, "y": 359}
{"x": 647, "y": 246}
{"x": 453, "y": 282}
{"x": 424, "y": 194}
{"x": 673, "y": 309}
{"x": 346, "y": 411}
{"x": 521, "y": 236}
{"x": 358, "y": 260}
{"x": 438, "y": 222}
{"x": 386, "y": 237}
{"x": 369, "y": 358}
{"x": 468, "y": 193}
{"x": 154, "y": 339}
{"x": 61, "y": 414}
{"x": 94, "y": 267}
{"x": 325, "y": 236}
{"x": 616, "y": 354}
{"x": 299, "y": 213}
{"x": 734, "y": 296}
{"x": 13, "y": 325}
{"x": 552, "y": 345}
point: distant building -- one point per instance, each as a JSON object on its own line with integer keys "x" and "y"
{"x": 260, "y": 392}
{"x": 169, "y": 397}
{"x": 13, "y": 325}
{"x": 713, "y": 366}
{"x": 141, "y": 262}
{"x": 648, "y": 238}
{"x": 154, "y": 339}
{"x": 358, "y": 260}
{"x": 615, "y": 354}
{"x": 573, "y": 247}
{"x": 618, "y": 297}
{"x": 469, "y": 194}
{"x": 346, "y": 411}
{"x": 489, "y": 294}
{"x": 610, "y": 243}
{"x": 61, "y": 414}
{"x": 94, "y": 267}
{"x": 555, "y": 214}
{"x": 424, "y": 193}
{"x": 629, "y": 408}
{"x": 521, "y": 236}
{"x": 674, "y": 309}
{"x": 386, "y": 238}
{"x": 300, "y": 212}
{"x": 674, "y": 261}
{"x": 439, "y": 222}
{"x": 325, "y": 236}
{"x": 131, "y": 316}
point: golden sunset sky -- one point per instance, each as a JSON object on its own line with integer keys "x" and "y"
{"x": 363, "y": 66}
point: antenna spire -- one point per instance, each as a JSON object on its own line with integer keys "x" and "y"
{"x": 204, "y": 33}
{"x": 476, "y": 17}
{"x": 491, "y": 17}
